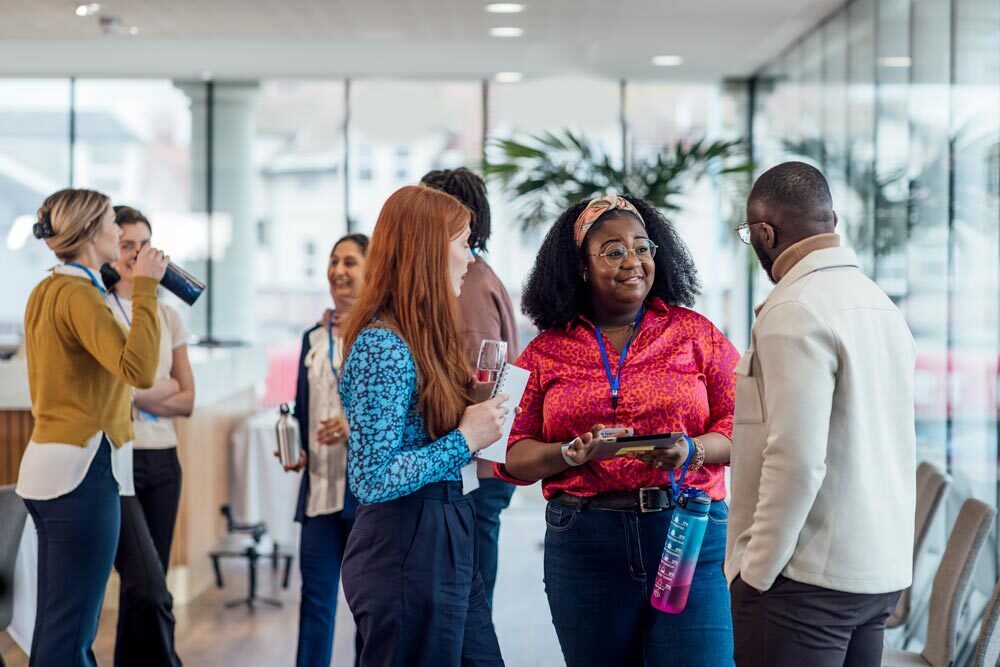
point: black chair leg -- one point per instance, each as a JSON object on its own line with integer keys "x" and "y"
{"x": 288, "y": 570}
{"x": 218, "y": 571}
{"x": 252, "y": 559}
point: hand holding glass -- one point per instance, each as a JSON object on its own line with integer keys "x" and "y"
{"x": 492, "y": 357}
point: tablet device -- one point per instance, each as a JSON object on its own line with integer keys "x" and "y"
{"x": 637, "y": 443}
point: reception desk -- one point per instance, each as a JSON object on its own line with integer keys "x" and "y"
{"x": 226, "y": 385}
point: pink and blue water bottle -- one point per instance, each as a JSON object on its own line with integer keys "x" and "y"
{"x": 680, "y": 552}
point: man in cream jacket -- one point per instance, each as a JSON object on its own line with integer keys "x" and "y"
{"x": 820, "y": 534}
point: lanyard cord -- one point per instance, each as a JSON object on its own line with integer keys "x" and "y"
{"x": 615, "y": 380}
{"x": 678, "y": 485}
{"x": 90, "y": 274}
{"x": 329, "y": 336}
{"x": 128, "y": 320}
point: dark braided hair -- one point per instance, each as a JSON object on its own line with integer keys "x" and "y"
{"x": 470, "y": 189}
{"x": 555, "y": 292}
{"x": 360, "y": 239}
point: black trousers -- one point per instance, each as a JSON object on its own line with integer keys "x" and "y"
{"x": 412, "y": 582}
{"x": 795, "y": 624}
{"x": 145, "y": 607}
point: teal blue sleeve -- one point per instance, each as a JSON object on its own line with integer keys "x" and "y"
{"x": 389, "y": 454}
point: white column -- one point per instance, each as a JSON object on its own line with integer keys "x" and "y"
{"x": 234, "y": 233}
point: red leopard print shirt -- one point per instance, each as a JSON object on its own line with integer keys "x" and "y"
{"x": 678, "y": 377}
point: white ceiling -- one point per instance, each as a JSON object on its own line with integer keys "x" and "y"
{"x": 406, "y": 38}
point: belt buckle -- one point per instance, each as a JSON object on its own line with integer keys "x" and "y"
{"x": 643, "y": 507}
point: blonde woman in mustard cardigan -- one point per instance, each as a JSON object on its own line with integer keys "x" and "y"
{"x": 82, "y": 365}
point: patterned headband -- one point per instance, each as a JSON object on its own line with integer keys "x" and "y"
{"x": 595, "y": 209}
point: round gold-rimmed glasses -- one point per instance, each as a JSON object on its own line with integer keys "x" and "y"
{"x": 616, "y": 254}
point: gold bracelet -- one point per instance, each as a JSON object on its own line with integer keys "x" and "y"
{"x": 698, "y": 459}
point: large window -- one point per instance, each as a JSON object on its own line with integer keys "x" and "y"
{"x": 34, "y": 162}
{"x": 911, "y": 145}
{"x": 400, "y": 130}
{"x": 590, "y": 107}
{"x": 660, "y": 116}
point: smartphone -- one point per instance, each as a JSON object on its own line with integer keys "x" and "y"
{"x": 616, "y": 432}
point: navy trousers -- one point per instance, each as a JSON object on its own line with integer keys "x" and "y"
{"x": 412, "y": 581}
{"x": 77, "y": 538}
{"x": 321, "y": 550}
{"x": 492, "y": 497}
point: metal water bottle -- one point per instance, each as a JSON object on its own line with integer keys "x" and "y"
{"x": 289, "y": 444}
{"x": 680, "y": 551}
{"x": 182, "y": 284}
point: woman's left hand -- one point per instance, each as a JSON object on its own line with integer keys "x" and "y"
{"x": 666, "y": 459}
{"x": 332, "y": 431}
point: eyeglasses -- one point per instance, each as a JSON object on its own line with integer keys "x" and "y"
{"x": 617, "y": 253}
{"x": 744, "y": 230}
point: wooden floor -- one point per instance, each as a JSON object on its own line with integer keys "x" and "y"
{"x": 208, "y": 634}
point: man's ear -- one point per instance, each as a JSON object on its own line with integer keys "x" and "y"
{"x": 770, "y": 235}
{"x": 835, "y": 220}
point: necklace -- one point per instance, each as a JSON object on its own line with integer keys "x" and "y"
{"x": 629, "y": 326}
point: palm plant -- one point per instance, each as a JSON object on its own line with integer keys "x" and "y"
{"x": 548, "y": 172}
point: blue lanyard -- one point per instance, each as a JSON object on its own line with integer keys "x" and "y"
{"x": 90, "y": 275}
{"x": 329, "y": 336}
{"x": 677, "y": 485}
{"x": 122, "y": 308}
{"x": 615, "y": 380}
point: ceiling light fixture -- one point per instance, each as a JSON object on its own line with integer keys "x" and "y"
{"x": 667, "y": 61}
{"x": 88, "y": 9}
{"x": 506, "y": 31}
{"x": 504, "y": 8}
{"x": 508, "y": 77}
{"x": 894, "y": 61}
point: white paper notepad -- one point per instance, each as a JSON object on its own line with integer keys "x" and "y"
{"x": 512, "y": 381}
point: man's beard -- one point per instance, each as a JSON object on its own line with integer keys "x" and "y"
{"x": 766, "y": 262}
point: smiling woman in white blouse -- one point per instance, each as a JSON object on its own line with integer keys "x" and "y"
{"x": 145, "y": 609}
{"x": 326, "y": 507}
{"x": 81, "y": 365}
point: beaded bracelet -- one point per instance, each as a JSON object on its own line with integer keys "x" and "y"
{"x": 698, "y": 460}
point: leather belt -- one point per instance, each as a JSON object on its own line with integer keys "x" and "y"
{"x": 646, "y": 499}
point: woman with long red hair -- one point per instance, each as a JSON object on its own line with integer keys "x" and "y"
{"x": 410, "y": 572}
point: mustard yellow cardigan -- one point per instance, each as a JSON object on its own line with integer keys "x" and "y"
{"x": 81, "y": 360}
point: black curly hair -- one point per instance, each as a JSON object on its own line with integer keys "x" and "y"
{"x": 555, "y": 292}
{"x": 470, "y": 189}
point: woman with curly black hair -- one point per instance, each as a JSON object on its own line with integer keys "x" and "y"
{"x": 619, "y": 348}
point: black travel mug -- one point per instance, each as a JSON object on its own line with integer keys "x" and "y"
{"x": 176, "y": 280}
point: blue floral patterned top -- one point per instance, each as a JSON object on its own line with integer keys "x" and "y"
{"x": 389, "y": 454}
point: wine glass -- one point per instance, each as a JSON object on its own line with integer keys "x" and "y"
{"x": 492, "y": 357}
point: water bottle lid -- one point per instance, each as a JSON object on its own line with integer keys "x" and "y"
{"x": 695, "y": 501}
{"x": 284, "y": 409}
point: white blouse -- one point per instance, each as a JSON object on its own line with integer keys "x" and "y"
{"x": 327, "y": 463}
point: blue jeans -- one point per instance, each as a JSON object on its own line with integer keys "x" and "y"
{"x": 492, "y": 497}
{"x": 321, "y": 551}
{"x": 599, "y": 572}
{"x": 77, "y": 539}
